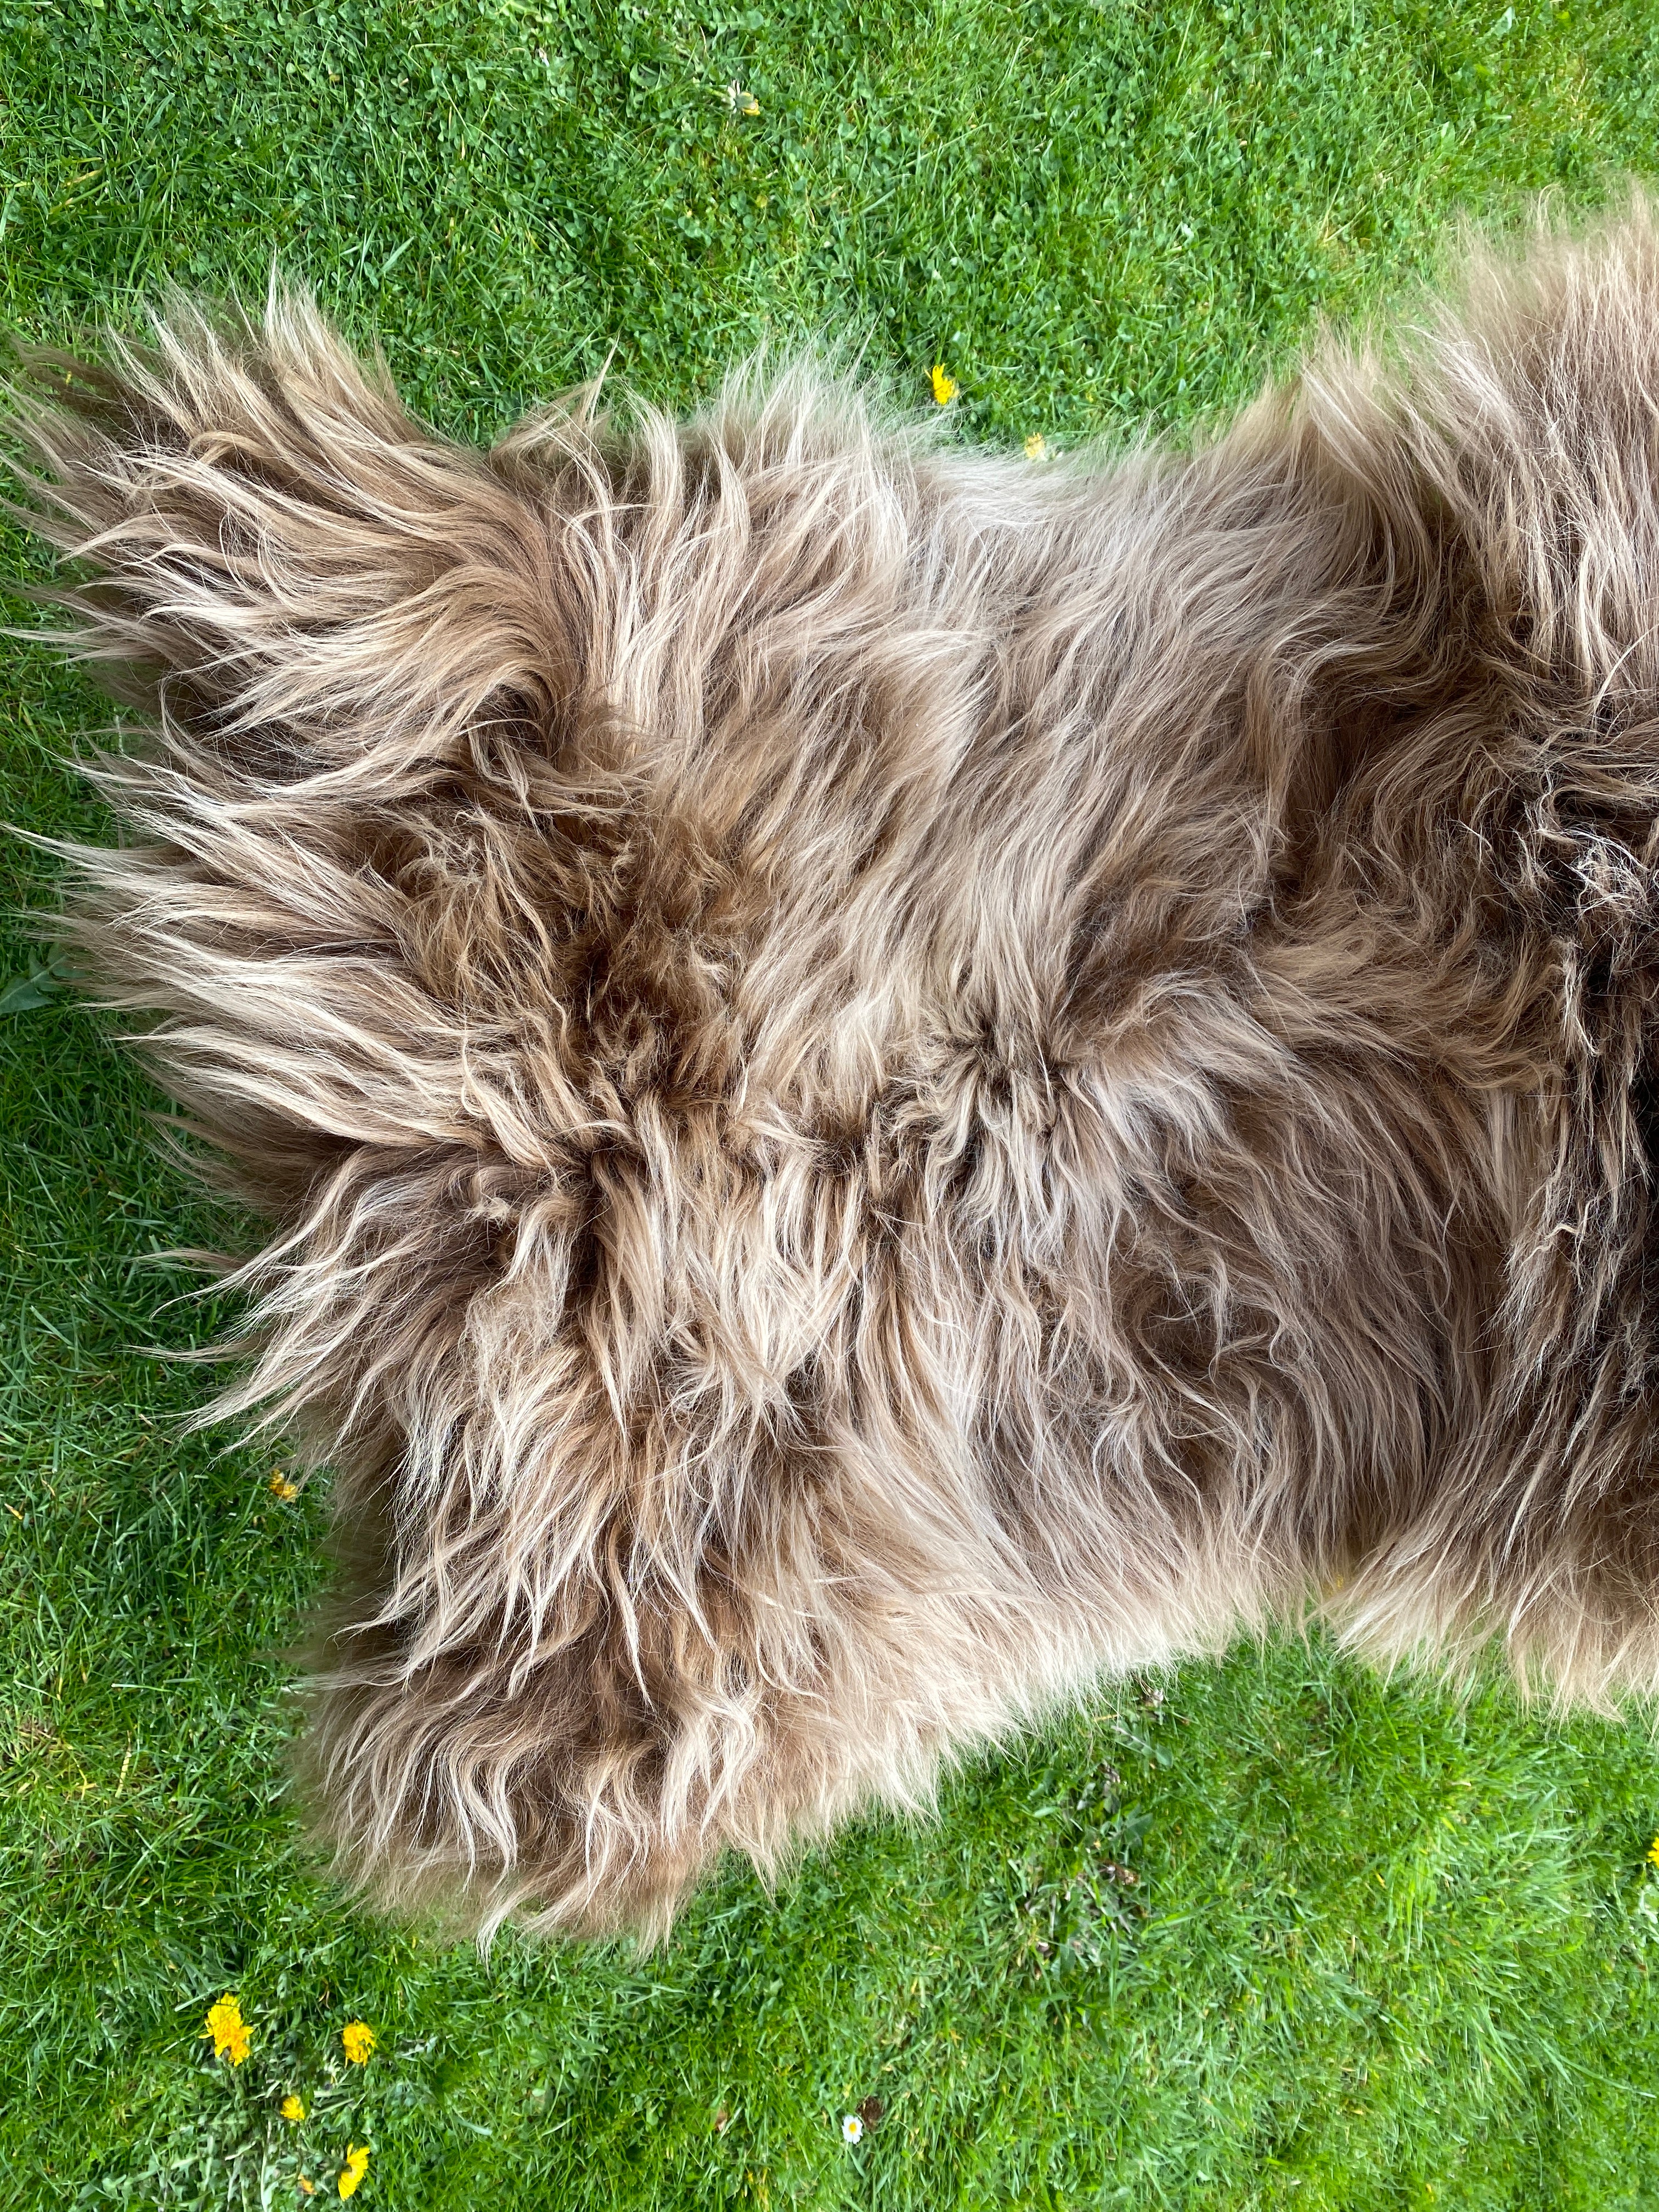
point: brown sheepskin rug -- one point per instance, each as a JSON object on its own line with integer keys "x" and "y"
{"x": 887, "y": 1079}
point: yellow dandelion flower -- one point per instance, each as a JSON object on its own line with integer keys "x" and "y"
{"x": 945, "y": 386}
{"x": 356, "y": 2166}
{"x": 1653, "y": 1852}
{"x": 229, "y": 2029}
{"x": 1036, "y": 446}
{"x": 293, "y": 2108}
{"x": 359, "y": 2040}
{"x": 309, "y": 2187}
{"x": 280, "y": 1486}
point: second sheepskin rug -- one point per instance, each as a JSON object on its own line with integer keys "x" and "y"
{"x": 886, "y": 1079}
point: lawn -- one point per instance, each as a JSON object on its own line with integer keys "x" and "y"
{"x": 1367, "y": 1944}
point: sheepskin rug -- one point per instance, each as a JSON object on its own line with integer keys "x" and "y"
{"x": 887, "y": 1079}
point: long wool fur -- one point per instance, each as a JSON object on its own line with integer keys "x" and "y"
{"x": 887, "y": 1078}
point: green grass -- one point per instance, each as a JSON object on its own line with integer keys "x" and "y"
{"x": 1383, "y": 1949}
